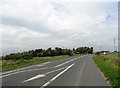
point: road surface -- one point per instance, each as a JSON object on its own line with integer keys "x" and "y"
{"x": 74, "y": 71}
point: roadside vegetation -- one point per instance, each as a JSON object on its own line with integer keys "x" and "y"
{"x": 16, "y": 60}
{"x": 11, "y": 64}
{"x": 108, "y": 64}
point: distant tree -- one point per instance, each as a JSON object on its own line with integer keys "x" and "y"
{"x": 90, "y": 50}
{"x": 48, "y": 52}
{"x": 27, "y": 56}
{"x": 58, "y": 51}
{"x": 38, "y": 53}
{"x": 74, "y": 51}
{"x": 13, "y": 56}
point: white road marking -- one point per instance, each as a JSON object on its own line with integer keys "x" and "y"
{"x": 54, "y": 70}
{"x": 21, "y": 72}
{"x": 25, "y": 68}
{"x": 10, "y": 74}
{"x": 65, "y": 62}
{"x": 37, "y": 69}
{"x": 68, "y": 61}
{"x": 46, "y": 84}
{"x": 33, "y": 78}
{"x": 45, "y": 63}
{"x": 41, "y": 75}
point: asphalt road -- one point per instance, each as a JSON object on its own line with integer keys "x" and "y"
{"x": 75, "y": 71}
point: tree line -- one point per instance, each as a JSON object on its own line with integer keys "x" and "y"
{"x": 48, "y": 52}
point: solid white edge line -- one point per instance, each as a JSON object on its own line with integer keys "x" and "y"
{"x": 46, "y": 84}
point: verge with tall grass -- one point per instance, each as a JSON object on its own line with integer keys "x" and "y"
{"x": 108, "y": 64}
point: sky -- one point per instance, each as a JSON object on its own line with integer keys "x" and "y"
{"x": 33, "y": 24}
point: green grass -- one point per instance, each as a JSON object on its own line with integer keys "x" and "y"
{"x": 108, "y": 64}
{"x": 11, "y": 64}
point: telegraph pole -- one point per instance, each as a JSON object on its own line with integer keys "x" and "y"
{"x": 100, "y": 48}
{"x": 114, "y": 45}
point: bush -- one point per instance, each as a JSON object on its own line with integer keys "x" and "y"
{"x": 18, "y": 56}
{"x": 27, "y": 56}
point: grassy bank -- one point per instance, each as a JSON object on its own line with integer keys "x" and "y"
{"x": 108, "y": 64}
{"x": 11, "y": 64}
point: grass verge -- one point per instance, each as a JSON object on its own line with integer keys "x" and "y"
{"x": 108, "y": 65}
{"x": 12, "y": 64}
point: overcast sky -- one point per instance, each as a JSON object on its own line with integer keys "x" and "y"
{"x": 32, "y": 24}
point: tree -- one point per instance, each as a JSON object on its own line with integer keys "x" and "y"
{"x": 48, "y": 52}
{"x": 38, "y": 53}
{"x": 90, "y": 50}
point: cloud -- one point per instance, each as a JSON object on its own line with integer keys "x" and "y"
{"x": 18, "y": 38}
{"x": 29, "y": 24}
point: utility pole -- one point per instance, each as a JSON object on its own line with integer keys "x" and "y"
{"x": 100, "y": 48}
{"x": 114, "y": 45}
